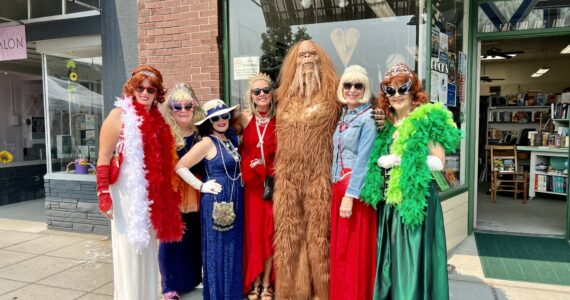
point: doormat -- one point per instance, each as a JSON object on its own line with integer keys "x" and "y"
{"x": 524, "y": 258}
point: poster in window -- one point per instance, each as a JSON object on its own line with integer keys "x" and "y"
{"x": 38, "y": 128}
{"x": 435, "y": 42}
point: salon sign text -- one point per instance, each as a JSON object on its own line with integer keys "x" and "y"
{"x": 13, "y": 43}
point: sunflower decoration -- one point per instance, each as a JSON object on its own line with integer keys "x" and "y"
{"x": 6, "y": 157}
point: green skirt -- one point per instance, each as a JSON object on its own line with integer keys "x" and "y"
{"x": 411, "y": 263}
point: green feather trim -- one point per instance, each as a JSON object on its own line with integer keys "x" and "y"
{"x": 371, "y": 192}
{"x": 408, "y": 186}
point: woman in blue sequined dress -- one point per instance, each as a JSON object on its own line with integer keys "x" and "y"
{"x": 221, "y": 202}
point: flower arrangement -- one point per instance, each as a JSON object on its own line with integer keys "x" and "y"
{"x": 6, "y": 157}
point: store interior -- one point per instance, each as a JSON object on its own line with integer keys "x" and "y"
{"x": 521, "y": 81}
{"x": 22, "y": 113}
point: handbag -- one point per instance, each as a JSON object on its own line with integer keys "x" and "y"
{"x": 268, "y": 188}
{"x": 223, "y": 215}
{"x": 116, "y": 161}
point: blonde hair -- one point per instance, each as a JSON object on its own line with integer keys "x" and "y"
{"x": 181, "y": 92}
{"x": 251, "y": 110}
{"x": 354, "y": 74}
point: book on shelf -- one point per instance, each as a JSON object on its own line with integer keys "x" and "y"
{"x": 560, "y": 111}
{"x": 550, "y": 183}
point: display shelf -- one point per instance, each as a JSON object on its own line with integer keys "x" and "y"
{"x": 554, "y": 193}
{"x": 550, "y": 174}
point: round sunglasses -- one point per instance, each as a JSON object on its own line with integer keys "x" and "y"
{"x": 265, "y": 90}
{"x": 150, "y": 90}
{"x": 349, "y": 85}
{"x": 403, "y": 89}
{"x": 215, "y": 119}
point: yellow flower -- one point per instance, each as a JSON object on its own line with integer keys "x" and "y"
{"x": 6, "y": 157}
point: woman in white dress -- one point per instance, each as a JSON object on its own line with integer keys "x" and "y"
{"x": 138, "y": 197}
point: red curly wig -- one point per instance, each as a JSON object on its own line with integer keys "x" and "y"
{"x": 141, "y": 73}
{"x": 416, "y": 93}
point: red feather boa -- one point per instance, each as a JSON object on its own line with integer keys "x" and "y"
{"x": 159, "y": 161}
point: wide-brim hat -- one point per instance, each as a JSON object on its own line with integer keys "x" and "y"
{"x": 214, "y": 108}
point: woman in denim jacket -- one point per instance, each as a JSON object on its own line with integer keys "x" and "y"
{"x": 353, "y": 224}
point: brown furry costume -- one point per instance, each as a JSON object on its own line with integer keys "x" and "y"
{"x": 307, "y": 113}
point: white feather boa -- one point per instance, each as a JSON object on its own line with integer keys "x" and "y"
{"x": 138, "y": 216}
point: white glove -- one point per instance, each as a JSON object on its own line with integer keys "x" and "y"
{"x": 389, "y": 161}
{"x": 211, "y": 187}
{"x": 434, "y": 163}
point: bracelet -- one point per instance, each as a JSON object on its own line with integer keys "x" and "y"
{"x": 102, "y": 192}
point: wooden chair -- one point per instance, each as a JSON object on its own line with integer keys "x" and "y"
{"x": 505, "y": 176}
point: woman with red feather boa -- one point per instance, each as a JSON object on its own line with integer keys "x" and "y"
{"x": 141, "y": 202}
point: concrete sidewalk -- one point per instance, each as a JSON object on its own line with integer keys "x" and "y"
{"x": 36, "y": 263}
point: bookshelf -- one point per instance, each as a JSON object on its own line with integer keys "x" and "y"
{"x": 551, "y": 180}
{"x": 507, "y": 122}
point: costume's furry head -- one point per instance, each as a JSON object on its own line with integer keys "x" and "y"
{"x": 306, "y": 71}
{"x": 249, "y": 96}
{"x": 354, "y": 74}
{"x": 139, "y": 75}
{"x": 396, "y": 76}
{"x": 179, "y": 94}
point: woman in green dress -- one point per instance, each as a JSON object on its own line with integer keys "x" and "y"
{"x": 411, "y": 250}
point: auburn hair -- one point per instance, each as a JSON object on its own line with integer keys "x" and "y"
{"x": 139, "y": 75}
{"x": 416, "y": 93}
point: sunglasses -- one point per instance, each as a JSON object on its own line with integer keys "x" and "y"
{"x": 178, "y": 107}
{"x": 349, "y": 85}
{"x": 265, "y": 90}
{"x": 150, "y": 90}
{"x": 404, "y": 89}
{"x": 215, "y": 119}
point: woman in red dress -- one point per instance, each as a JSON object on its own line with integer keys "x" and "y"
{"x": 258, "y": 147}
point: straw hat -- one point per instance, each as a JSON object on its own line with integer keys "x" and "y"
{"x": 214, "y": 108}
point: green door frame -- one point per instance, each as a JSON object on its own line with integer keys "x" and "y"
{"x": 472, "y": 86}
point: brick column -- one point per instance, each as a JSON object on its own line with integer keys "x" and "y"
{"x": 179, "y": 37}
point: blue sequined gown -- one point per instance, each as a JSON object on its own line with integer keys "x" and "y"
{"x": 222, "y": 251}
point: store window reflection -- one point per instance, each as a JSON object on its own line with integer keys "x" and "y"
{"x": 371, "y": 33}
{"x": 510, "y": 15}
{"x": 75, "y": 110}
{"x": 448, "y": 78}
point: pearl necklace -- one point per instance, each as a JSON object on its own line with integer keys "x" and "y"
{"x": 230, "y": 148}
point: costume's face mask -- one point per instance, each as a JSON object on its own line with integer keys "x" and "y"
{"x": 307, "y": 57}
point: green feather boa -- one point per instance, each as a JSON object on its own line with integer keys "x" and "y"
{"x": 410, "y": 180}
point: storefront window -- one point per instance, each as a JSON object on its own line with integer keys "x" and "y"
{"x": 79, "y": 6}
{"x": 509, "y": 15}
{"x": 75, "y": 110}
{"x": 45, "y": 8}
{"x": 373, "y": 34}
{"x": 13, "y": 10}
{"x": 448, "y": 78}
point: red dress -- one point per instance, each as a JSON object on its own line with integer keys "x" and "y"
{"x": 258, "y": 219}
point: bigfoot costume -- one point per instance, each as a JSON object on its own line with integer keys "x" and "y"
{"x": 307, "y": 113}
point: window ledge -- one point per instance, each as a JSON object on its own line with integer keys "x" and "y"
{"x": 453, "y": 192}
{"x": 70, "y": 177}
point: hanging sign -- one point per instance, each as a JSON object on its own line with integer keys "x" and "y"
{"x": 13, "y": 43}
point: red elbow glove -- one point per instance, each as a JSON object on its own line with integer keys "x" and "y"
{"x": 105, "y": 201}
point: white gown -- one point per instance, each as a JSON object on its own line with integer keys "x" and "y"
{"x": 135, "y": 275}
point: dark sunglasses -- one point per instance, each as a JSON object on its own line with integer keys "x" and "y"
{"x": 404, "y": 89}
{"x": 150, "y": 90}
{"x": 265, "y": 90}
{"x": 215, "y": 119}
{"x": 349, "y": 85}
{"x": 178, "y": 107}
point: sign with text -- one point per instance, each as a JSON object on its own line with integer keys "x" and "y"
{"x": 13, "y": 43}
{"x": 245, "y": 67}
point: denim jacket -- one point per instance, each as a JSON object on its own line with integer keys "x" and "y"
{"x": 356, "y": 142}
